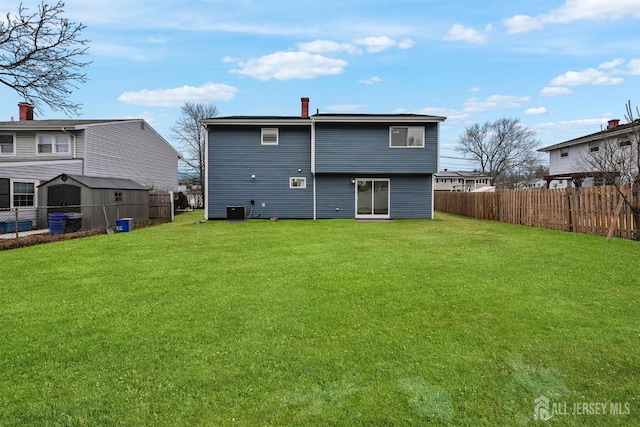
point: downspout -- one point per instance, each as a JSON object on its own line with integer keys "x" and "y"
{"x": 313, "y": 165}
{"x": 206, "y": 171}
{"x": 433, "y": 175}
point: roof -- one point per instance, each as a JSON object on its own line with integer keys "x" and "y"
{"x": 327, "y": 118}
{"x": 461, "y": 174}
{"x": 97, "y": 182}
{"x": 615, "y": 131}
{"x": 52, "y": 123}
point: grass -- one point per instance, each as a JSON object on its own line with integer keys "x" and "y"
{"x": 447, "y": 322}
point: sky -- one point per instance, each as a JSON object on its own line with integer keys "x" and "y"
{"x": 563, "y": 67}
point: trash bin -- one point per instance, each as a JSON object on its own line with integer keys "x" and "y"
{"x": 57, "y": 223}
{"x": 124, "y": 225}
{"x": 74, "y": 222}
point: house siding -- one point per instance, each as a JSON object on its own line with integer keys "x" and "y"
{"x": 411, "y": 196}
{"x": 132, "y": 150}
{"x": 235, "y": 154}
{"x": 40, "y": 170}
{"x": 364, "y": 148}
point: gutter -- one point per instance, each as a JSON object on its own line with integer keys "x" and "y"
{"x": 313, "y": 166}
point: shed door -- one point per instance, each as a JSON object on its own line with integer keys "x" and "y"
{"x": 63, "y": 196}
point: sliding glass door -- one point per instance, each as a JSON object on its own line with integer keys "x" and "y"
{"x": 372, "y": 198}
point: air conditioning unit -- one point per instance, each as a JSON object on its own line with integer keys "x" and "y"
{"x": 236, "y": 213}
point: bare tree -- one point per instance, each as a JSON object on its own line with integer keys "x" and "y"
{"x": 190, "y": 135}
{"x": 500, "y": 149}
{"x": 40, "y": 56}
{"x": 616, "y": 160}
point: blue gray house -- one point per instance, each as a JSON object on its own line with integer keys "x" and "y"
{"x": 362, "y": 166}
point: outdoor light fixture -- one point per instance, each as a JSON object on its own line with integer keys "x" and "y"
{"x": 299, "y": 170}
{"x": 353, "y": 180}
{"x": 253, "y": 177}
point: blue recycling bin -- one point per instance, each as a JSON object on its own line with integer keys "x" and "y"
{"x": 57, "y": 223}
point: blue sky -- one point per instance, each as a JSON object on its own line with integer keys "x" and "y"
{"x": 563, "y": 67}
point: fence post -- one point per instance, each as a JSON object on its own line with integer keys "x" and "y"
{"x": 568, "y": 192}
{"x": 16, "y": 225}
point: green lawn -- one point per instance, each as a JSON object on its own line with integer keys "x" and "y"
{"x": 448, "y": 322}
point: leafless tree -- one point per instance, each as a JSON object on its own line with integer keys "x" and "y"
{"x": 501, "y": 148}
{"x": 617, "y": 161}
{"x": 190, "y": 135}
{"x": 41, "y": 56}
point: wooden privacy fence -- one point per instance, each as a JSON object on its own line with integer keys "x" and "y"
{"x": 587, "y": 210}
{"x": 160, "y": 204}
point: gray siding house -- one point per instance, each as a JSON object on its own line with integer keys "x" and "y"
{"x": 35, "y": 151}
{"x": 359, "y": 166}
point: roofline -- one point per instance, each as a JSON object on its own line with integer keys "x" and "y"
{"x": 613, "y": 132}
{"x": 377, "y": 118}
{"x": 346, "y": 118}
{"x": 263, "y": 121}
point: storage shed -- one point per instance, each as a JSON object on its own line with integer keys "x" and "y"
{"x": 87, "y": 198}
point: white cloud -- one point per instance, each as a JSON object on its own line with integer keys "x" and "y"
{"x": 327, "y": 46}
{"x": 572, "y": 11}
{"x": 377, "y": 44}
{"x": 459, "y": 32}
{"x": 290, "y": 65}
{"x": 371, "y": 81}
{"x": 590, "y": 76}
{"x": 634, "y": 67}
{"x": 178, "y": 96}
{"x": 555, "y": 90}
{"x": 475, "y": 89}
{"x": 494, "y": 102}
{"x": 539, "y": 111}
{"x": 230, "y": 59}
{"x": 406, "y": 44}
{"x": 611, "y": 64}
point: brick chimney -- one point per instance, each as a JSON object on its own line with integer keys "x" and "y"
{"x": 305, "y": 108}
{"x": 26, "y": 111}
{"x": 613, "y": 123}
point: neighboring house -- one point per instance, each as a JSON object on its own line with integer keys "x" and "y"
{"x": 461, "y": 180}
{"x": 322, "y": 166}
{"x": 35, "y": 151}
{"x": 566, "y": 158}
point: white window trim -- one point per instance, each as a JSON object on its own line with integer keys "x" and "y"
{"x": 54, "y": 150}
{"x": 373, "y": 215}
{"x": 272, "y": 131}
{"x": 304, "y": 180}
{"x": 26, "y": 181}
{"x": 391, "y": 128}
{"x": 15, "y": 145}
{"x": 564, "y": 151}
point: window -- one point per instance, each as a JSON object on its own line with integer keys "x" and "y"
{"x": 23, "y": 194}
{"x": 118, "y": 196}
{"x": 564, "y": 152}
{"x": 297, "y": 182}
{"x": 409, "y": 136}
{"x": 7, "y": 146}
{"x": 594, "y": 147}
{"x": 53, "y": 144}
{"x": 269, "y": 136}
{"x": 626, "y": 143}
{"x": 5, "y": 193}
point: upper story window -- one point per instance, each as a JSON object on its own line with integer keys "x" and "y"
{"x": 118, "y": 196}
{"x": 269, "y": 136}
{"x": 564, "y": 152}
{"x": 406, "y": 136}
{"x": 7, "y": 145}
{"x": 626, "y": 143}
{"x": 53, "y": 144}
{"x": 594, "y": 147}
